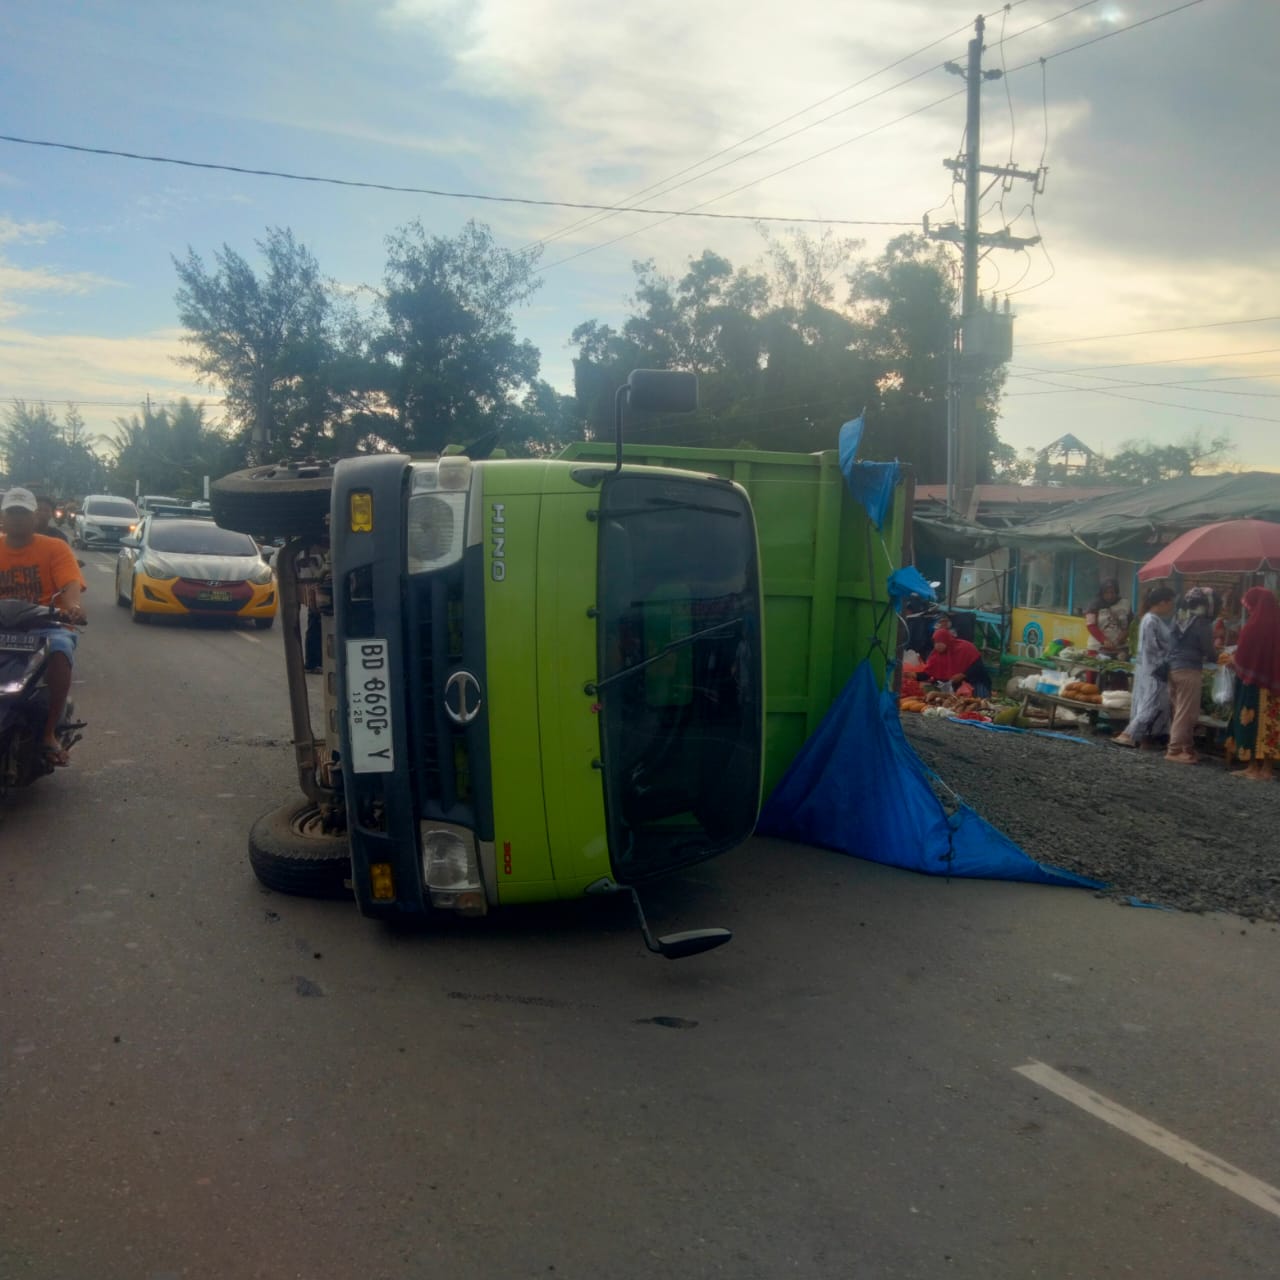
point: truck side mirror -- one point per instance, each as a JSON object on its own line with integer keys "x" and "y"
{"x": 653, "y": 391}
{"x": 662, "y": 391}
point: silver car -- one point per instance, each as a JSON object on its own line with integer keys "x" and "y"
{"x": 103, "y": 520}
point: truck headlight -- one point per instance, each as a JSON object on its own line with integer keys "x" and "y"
{"x": 451, "y": 869}
{"x": 435, "y": 529}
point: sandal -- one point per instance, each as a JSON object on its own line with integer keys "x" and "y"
{"x": 54, "y": 756}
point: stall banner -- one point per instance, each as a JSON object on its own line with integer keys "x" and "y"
{"x": 1031, "y": 630}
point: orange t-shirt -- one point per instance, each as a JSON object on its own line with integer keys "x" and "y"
{"x": 34, "y": 572}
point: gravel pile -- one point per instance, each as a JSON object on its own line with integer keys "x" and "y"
{"x": 1193, "y": 838}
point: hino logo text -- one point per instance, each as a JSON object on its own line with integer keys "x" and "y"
{"x": 498, "y": 542}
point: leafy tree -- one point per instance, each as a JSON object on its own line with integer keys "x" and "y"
{"x": 542, "y": 423}
{"x": 289, "y": 360}
{"x": 451, "y": 366}
{"x": 782, "y": 360}
{"x": 1008, "y": 467}
{"x": 1144, "y": 462}
{"x": 32, "y": 443}
{"x": 43, "y": 453}
{"x": 167, "y": 450}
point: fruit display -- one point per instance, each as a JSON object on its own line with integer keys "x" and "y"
{"x": 1082, "y": 691}
{"x": 938, "y": 703}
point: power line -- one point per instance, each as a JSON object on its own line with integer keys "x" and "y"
{"x": 1030, "y": 206}
{"x": 756, "y": 151}
{"x": 1163, "y": 404}
{"x": 777, "y": 124}
{"x": 726, "y": 194}
{"x": 106, "y": 404}
{"x": 742, "y": 142}
{"x": 1108, "y": 35}
{"x": 1142, "y": 333}
{"x": 826, "y": 151}
{"x": 1203, "y": 358}
{"x": 1182, "y": 384}
{"x": 431, "y": 191}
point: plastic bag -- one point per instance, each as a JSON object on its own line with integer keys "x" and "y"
{"x": 1224, "y": 687}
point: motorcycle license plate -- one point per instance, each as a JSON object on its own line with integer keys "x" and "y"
{"x": 22, "y": 641}
{"x": 214, "y": 596}
{"x": 369, "y": 706}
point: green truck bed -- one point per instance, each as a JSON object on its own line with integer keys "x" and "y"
{"x": 825, "y": 568}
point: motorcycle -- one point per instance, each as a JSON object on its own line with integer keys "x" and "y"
{"x": 24, "y": 697}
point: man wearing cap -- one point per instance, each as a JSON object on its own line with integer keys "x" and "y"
{"x": 38, "y": 569}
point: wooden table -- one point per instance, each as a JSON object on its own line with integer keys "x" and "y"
{"x": 1091, "y": 710}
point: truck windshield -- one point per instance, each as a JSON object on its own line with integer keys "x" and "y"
{"x": 680, "y": 670}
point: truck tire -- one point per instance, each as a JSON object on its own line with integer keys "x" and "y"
{"x": 290, "y": 853}
{"x": 288, "y": 500}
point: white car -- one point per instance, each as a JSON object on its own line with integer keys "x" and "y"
{"x": 103, "y": 520}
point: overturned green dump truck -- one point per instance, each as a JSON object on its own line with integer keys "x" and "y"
{"x": 544, "y": 678}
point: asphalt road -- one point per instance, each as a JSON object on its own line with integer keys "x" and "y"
{"x": 202, "y": 1079}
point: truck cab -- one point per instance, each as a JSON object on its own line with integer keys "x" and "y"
{"x": 548, "y": 674}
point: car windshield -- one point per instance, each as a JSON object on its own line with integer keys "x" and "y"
{"x": 199, "y": 538}
{"x": 120, "y": 508}
{"x": 679, "y": 655}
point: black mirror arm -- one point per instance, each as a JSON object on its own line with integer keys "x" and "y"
{"x": 621, "y": 396}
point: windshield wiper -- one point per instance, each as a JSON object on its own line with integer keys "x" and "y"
{"x": 675, "y": 645}
{"x": 659, "y": 504}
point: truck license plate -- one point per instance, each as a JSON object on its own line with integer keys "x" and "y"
{"x": 369, "y": 706}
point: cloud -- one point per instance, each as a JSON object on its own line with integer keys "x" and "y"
{"x": 13, "y": 232}
{"x": 16, "y": 280}
{"x": 1154, "y": 135}
{"x": 107, "y": 376}
{"x": 400, "y": 139}
{"x": 613, "y": 104}
{"x": 21, "y": 280}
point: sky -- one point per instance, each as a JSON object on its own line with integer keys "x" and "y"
{"x": 1150, "y": 311}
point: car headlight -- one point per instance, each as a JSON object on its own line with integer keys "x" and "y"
{"x": 260, "y": 576}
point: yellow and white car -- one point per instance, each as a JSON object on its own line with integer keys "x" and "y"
{"x": 192, "y": 568}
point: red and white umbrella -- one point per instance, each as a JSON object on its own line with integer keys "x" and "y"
{"x": 1232, "y": 546}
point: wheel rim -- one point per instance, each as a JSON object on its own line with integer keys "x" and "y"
{"x": 310, "y": 826}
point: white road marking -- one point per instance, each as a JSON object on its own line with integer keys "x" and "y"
{"x": 1202, "y": 1162}
{"x": 244, "y": 635}
{"x": 104, "y": 568}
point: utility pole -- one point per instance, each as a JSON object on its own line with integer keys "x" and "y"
{"x": 982, "y": 338}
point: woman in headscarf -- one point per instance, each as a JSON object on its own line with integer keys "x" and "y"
{"x": 1149, "y": 714}
{"x": 1253, "y": 737}
{"x": 1192, "y": 649}
{"x": 955, "y": 661}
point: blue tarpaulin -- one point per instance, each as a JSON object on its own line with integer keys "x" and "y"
{"x": 858, "y": 787}
{"x": 909, "y": 581}
{"x": 872, "y": 483}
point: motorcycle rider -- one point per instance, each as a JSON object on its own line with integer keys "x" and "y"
{"x": 44, "y": 519}
{"x": 36, "y": 569}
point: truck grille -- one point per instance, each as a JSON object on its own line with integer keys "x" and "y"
{"x": 439, "y": 745}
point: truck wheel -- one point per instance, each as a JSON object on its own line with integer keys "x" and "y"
{"x": 287, "y": 499}
{"x": 291, "y": 853}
